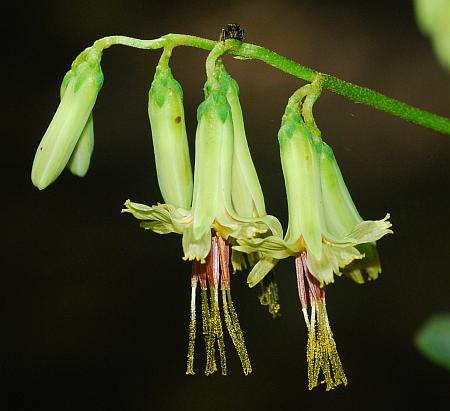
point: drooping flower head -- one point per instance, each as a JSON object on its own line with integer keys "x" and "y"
{"x": 211, "y": 222}
{"x": 69, "y": 139}
{"x": 246, "y": 193}
{"x": 326, "y": 234}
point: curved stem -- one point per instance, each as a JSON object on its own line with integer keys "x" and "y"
{"x": 352, "y": 92}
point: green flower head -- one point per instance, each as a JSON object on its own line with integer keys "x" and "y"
{"x": 323, "y": 220}
{"x": 212, "y": 222}
{"x": 326, "y": 234}
{"x": 69, "y": 137}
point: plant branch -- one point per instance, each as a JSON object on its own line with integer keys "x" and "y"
{"x": 352, "y": 92}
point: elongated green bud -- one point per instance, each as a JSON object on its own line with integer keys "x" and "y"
{"x": 166, "y": 113}
{"x": 300, "y": 162}
{"x": 247, "y": 195}
{"x": 213, "y": 161}
{"x": 81, "y": 156}
{"x": 80, "y": 89}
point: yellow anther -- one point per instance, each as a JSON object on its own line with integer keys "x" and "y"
{"x": 321, "y": 351}
{"x": 235, "y": 332}
{"x": 240, "y": 345}
{"x": 208, "y": 334}
{"x": 269, "y": 295}
{"x": 217, "y": 328}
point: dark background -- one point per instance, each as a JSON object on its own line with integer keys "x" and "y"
{"x": 95, "y": 310}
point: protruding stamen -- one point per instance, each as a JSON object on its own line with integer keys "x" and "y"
{"x": 217, "y": 326}
{"x": 321, "y": 351}
{"x": 208, "y": 332}
{"x": 208, "y": 335}
{"x": 299, "y": 269}
{"x": 231, "y": 319}
{"x": 311, "y": 351}
{"x": 269, "y": 294}
{"x": 213, "y": 274}
{"x": 192, "y": 324}
{"x": 240, "y": 341}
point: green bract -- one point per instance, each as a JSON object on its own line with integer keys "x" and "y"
{"x": 79, "y": 92}
{"x": 323, "y": 221}
{"x": 166, "y": 113}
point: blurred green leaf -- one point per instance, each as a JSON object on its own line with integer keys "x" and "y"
{"x": 433, "y": 339}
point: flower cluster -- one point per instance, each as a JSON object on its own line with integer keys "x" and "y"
{"x": 219, "y": 209}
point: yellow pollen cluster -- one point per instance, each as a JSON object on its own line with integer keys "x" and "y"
{"x": 211, "y": 279}
{"x": 269, "y": 295}
{"x": 321, "y": 351}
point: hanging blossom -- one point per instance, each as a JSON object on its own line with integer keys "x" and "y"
{"x": 326, "y": 234}
{"x": 211, "y": 222}
{"x": 246, "y": 193}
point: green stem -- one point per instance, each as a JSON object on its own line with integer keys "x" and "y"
{"x": 348, "y": 90}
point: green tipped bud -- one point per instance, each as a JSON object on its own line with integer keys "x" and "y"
{"x": 81, "y": 157}
{"x": 79, "y": 90}
{"x": 300, "y": 162}
{"x": 166, "y": 113}
{"x": 247, "y": 195}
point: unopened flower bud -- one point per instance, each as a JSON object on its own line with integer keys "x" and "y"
{"x": 81, "y": 157}
{"x": 80, "y": 88}
{"x": 166, "y": 113}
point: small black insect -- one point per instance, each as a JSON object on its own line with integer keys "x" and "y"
{"x": 232, "y": 31}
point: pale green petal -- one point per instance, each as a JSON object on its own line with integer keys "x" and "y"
{"x": 169, "y": 218}
{"x": 195, "y": 248}
{"x": 159, "y": 227}
{"x": 354, "y": 274}
{"x": 341, "y": 215}
{"x": 368, "y": 231}
{"x": 370, "y": 264}
{"x": 245, "y": 228}
{"x": 269, "y": 246}
{"x": 321, "y": 268}
{"x": 238, "y": 260}
{"x": 81, "y": 157}
{"x": 260, "y": 270}
{"x": 248, "y": 198}
{"x": 332, "y": 259}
